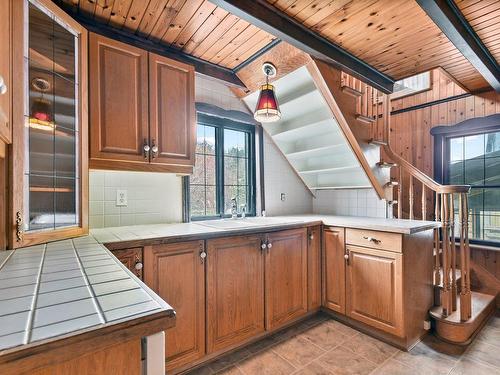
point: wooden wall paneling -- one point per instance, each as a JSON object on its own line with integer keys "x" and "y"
{"x": 172, "y": 114}
{"x": 176, "y": 272}
{"x": 118, "y": 100}
{"x": 235, "y": 291}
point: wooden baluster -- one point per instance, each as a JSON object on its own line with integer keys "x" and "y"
{"x": 400, "y": 193}
{"x": 365, "y": 100}
{"x": 468, "y": 296}
{"x": 437, "y": 261}
{"x": 359, "y": 100}
{"x": 424, "y": 203}
{"x": 462, "y": 217}
{"x": 453, "y": 258}
{"x": 411, "y": 198}
{"x": 445, "y": 230}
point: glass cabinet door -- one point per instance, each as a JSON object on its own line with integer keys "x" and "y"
{"x": 54, "y": 131}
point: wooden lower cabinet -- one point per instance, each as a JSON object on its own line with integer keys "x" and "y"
{"x": 286, "y": 277}
{"x": 334, "y": 291}
{"x": 314, "y": 268}
{"x": 132, "y": 259}
{"x": 176, "y": 272}
{"x": 375, "y": 288}
{"x": 235, "y": 290}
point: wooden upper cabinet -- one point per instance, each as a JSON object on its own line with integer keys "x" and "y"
{"x": 286, "y": 277}
{"x": 172, "y": 111}
{"x": 176, "y": 272}
{"x": 334, "y": 288}
{"x": 314, "y": 267}
{"x": 118, "y": 101}
{"x": 375, "y": 288}
{"x": 5, "y": 65}
{"x": 235, "y": 290}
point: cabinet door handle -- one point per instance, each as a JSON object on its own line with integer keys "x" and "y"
{"x": 154, "y": 149}
{"x": 146, "y": 149}
{"x": 372, "y": 239}
{"x": 203, "y": 256}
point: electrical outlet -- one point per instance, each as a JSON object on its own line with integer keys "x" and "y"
{"x": 283, "y": 197}
{"x": 121, "y": 198}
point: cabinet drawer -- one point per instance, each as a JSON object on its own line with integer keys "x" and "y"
{"x": 375, "y": 240}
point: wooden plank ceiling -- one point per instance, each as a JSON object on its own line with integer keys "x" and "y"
{"x": 394, "y": 36}
{"x": 195, "y": 27}
{"x": 484, "y": 17}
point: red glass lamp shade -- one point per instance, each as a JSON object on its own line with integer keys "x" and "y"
{"x": 41, "y": 110}
{"x": 267, "y": 109}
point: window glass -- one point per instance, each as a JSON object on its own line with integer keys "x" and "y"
{"x": 222, "y": 171}
{"x": 475, "y": 160}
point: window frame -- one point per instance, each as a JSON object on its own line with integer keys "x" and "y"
{"x": 220, "y": 124}
{"x": 442, "y": 136}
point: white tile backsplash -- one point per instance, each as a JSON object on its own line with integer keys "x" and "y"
{"x": 352, "y": 202}
{"x": 152, "y": 198}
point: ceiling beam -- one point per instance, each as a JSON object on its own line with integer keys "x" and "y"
{"x": 228, "y": 76}
{"x": 268, "y": 18}
{"x": 453, "y": 24}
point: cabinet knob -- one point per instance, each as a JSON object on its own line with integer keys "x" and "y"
{"x": 346, "y": 256}
{"x": 138, "y": 266}
{"x": 3, "y": 86}
{"x": 269, "y": 245}
{"x": 203, "y": 255}
{"x": 154, "y": 149}
{"x": 146, "y": 149}
{"x": 263, "y": 246}
{"x": 311, "y": 236}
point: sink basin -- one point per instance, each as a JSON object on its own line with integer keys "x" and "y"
{"x": 248, "y": 222}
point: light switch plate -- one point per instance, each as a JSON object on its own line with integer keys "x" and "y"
{"x": 121, "y": 198}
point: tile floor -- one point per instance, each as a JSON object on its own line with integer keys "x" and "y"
{"x": 323, "y": 346}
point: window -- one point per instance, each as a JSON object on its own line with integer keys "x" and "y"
{"x": 475, "y": 160}
{"x": 224, "y": 169}
{"x": 412, "y": 85}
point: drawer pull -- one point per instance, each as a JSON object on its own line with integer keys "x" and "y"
{"x": 372, "y": 239}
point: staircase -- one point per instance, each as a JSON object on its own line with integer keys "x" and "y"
{"x": 326, "y": 132}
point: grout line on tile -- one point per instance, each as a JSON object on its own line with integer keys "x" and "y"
{"x": 31, "y": 315}
{"x": 87, "y": 283}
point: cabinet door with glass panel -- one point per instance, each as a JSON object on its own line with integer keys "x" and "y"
{"x": 49, "y": 155}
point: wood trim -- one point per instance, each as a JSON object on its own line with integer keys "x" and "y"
{"x": 20, "y": 9}
{"x": 121, "y": 165}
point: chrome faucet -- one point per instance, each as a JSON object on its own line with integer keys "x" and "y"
{"x": 234, "y": 208}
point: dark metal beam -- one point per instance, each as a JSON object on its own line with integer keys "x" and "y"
{"x": 453, "y": 24}
{"x": 201, "y": 66}
{"x": 268, "y": 18}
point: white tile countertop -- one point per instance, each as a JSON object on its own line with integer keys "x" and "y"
{"x": 230, "y": 226}
{"x": 64, "y": 287}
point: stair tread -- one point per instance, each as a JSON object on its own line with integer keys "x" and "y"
{"x": 364, "y": 118}
{"x": 480, "y": 302}
{"x": 351, "y": 91}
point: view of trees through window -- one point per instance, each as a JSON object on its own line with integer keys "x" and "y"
{"x": 475, "y": 160}
{"x": 221, "y": 172}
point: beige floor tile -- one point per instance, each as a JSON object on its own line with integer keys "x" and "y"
{"x": 266, "y": 363}
{"x": 424, "y": 356}
{"x": 342, "y": 328}
{"x": 344, "y": 362}
{"x": 324, "y": 336}
{"x": 205, "y": 370}
{"x": 392, "y": 367}
{"x": 229, "y": 359}
{"x": 495, "y": 320}
{"x": 370, "y": 348}
{"x": 490, "y": 334}
{"x": 233, "y": 370}
{"x": 467, "y": 366}
{"x": 298, "y": 351}
{"x": 265, "y": 343}
{"x": 484, "y": 352}
{"x": 313, "y": 368}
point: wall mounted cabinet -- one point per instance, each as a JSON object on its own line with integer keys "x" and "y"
{"x": 142, "y": 114}
{"x": 49, "y": 178}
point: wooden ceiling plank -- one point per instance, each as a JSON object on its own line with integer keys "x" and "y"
{"x": 186, "y": 13}
{"x": 245, "y": 51}
{"x": 330, "y": 8}
{"x": 232, "y": 33}
{"x": 165, "y": 19}
{"x": 241, "y": 39}
{"x": 119, "y": 13}
{"x": 486, "y": 20}
{"x": 135, "y": 14}
{"x": 280, "y": 25}
{"x": 481, "y": 7}
{"x": 151, "y": 15}
{"x": 213, "y": 37}
{"x": 103, "y": 11}
{"x": 448, "y": 18}
{"x": 208, "y": 27}
{"x": 87, "y": 7}
{"x": 196, "y": 21}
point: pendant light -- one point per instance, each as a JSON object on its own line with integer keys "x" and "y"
{"x": 41, "y": 108}
{"x": 267, "y": 109}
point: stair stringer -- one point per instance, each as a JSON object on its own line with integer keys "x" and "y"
{"x": 343, "y": 108}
